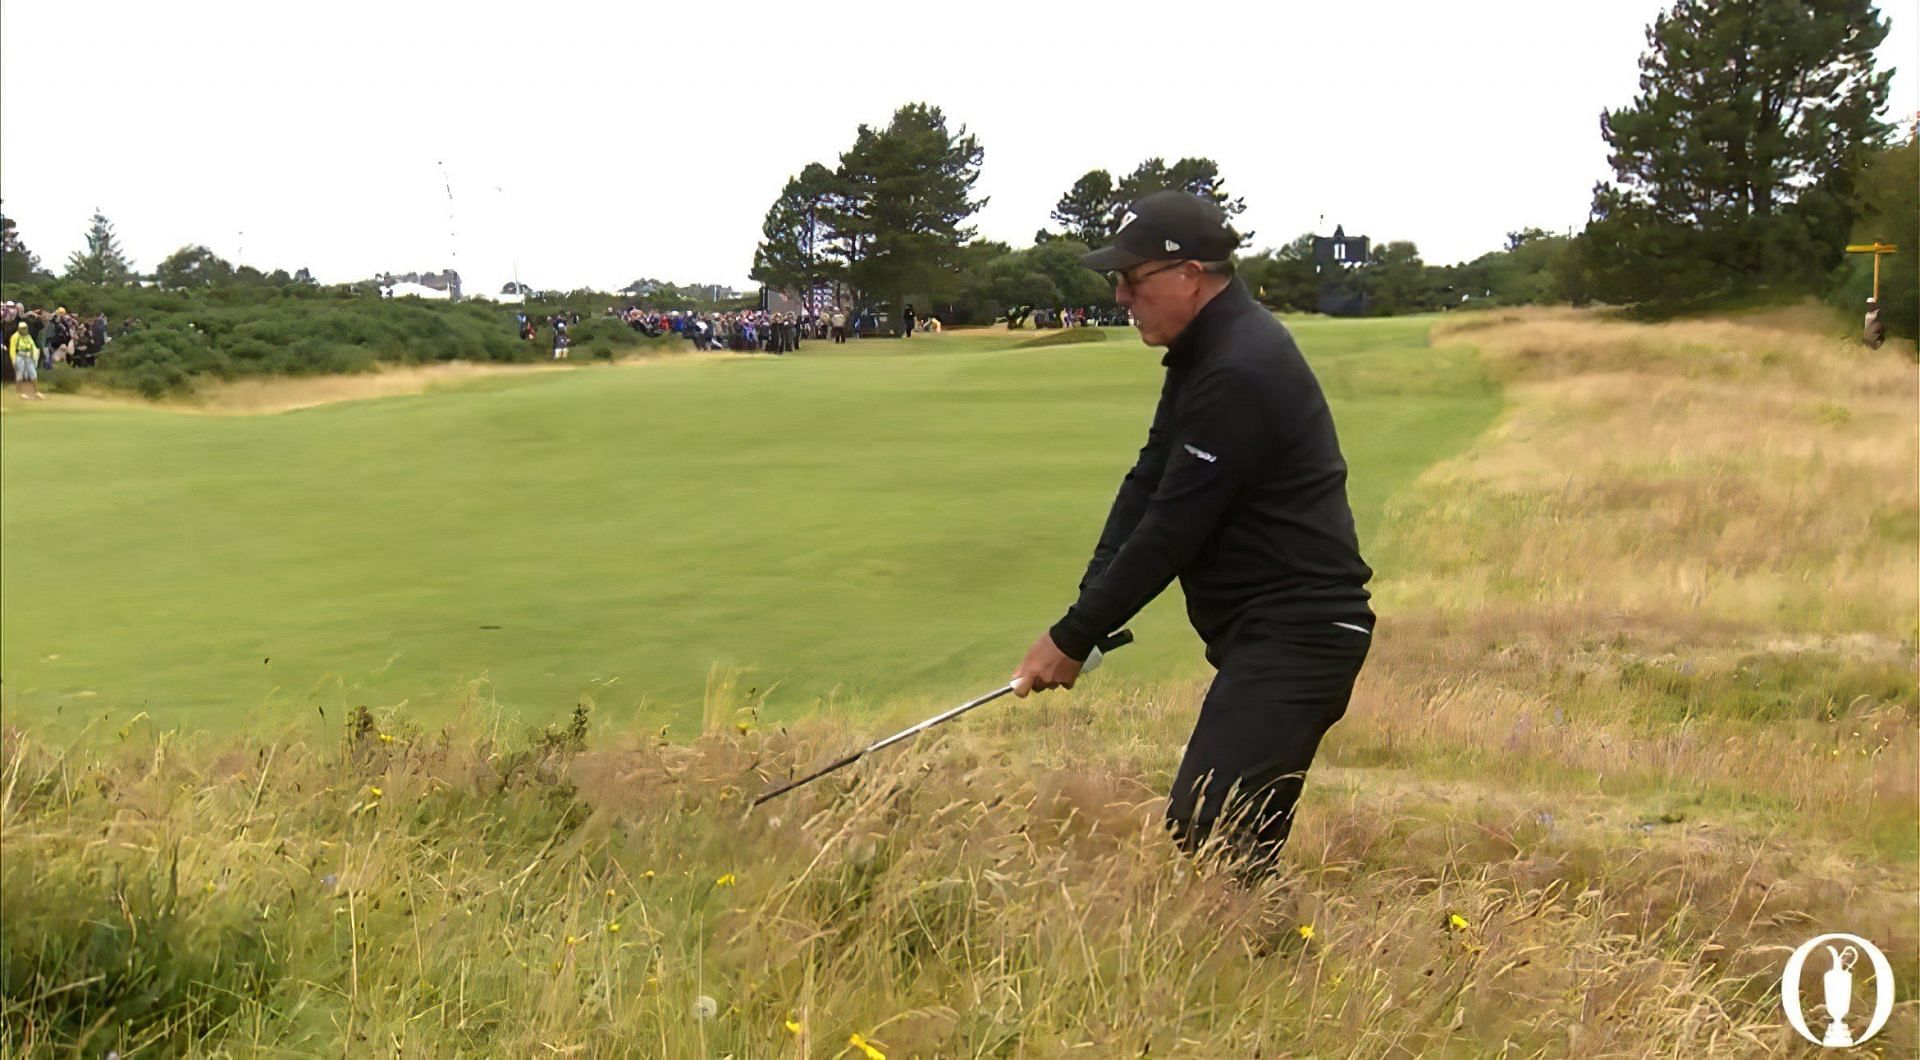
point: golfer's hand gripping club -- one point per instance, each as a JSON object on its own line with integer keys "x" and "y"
{"x": 1022, "y": 684}
{"x": 1106, "y": 644}
{"x": 1046, "y": 666}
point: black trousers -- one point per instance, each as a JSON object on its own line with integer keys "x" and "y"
{"x": 1281, "y": 686}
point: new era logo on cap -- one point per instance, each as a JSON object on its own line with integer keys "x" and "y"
{"x": 1167, "y": 225}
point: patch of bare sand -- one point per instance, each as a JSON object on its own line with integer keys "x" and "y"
{"x": 252, "y": 397}
{"x": 276, "y": 394}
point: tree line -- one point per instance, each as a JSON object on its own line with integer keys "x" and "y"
{"x": 1752, "y": 154}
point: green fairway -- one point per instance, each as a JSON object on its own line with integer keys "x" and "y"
{"x": 896, "y": 521}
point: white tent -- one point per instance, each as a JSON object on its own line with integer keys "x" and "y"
{"x": 404, "y": 289}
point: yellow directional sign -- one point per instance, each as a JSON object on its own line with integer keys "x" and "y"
{"x": 1876, "y": 248}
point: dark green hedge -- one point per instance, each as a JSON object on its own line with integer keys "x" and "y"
{"x": 231, "y": 332}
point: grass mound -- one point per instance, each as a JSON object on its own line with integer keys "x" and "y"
{"x": 1065, "y": 337}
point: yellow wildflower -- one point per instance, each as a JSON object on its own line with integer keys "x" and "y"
{"x": 1456, "y": 922}
{"x": 375, "y": 792}
{"x": 724, "y": 881}
{"x": 614, "y": 927}
{"x": 609, "y": 892}
{"x": 386, "y": 737}
{"x": 743, "y": 727}
{"x": 793, "y": 1027}
{"x": 1306, "y": 932}
{"x": 647, "y": 875}
{"x": 573, "y": 940}
{"x": 861, "y": 1044}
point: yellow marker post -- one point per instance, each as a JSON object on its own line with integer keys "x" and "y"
{"x": 1876, "y": 248}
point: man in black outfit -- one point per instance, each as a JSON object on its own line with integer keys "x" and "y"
{"x": 1240, "y": 492}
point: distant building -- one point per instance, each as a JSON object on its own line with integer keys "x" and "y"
{"x": 1333, "y": 256}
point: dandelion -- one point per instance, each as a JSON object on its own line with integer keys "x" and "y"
{"x": 725, "y": 881}
{"x": 375, "y": 792}
{"x": 614, "y": 928}
{"x": 647, "y": 875}
{"x": 743, "y": 727}
{"x": 1456, "y": 922}
{"x": 386, "y": 737}
{"x": 794, "y": 1027}
{"x": 861, "y": 1044}
{"x": 1306, "y": 932}
{"x": 573, "y": 940}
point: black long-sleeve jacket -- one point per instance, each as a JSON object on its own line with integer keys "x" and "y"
{"x": 1240, "y": 492}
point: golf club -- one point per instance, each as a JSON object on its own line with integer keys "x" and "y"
{"x": 1109, "y": 643}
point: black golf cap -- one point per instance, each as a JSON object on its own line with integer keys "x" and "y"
{"x": 1167, "y": 226}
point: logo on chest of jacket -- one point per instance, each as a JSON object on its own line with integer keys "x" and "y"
{"x": 1201, "y": 453}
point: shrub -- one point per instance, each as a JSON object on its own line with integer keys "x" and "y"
{"x": 230, "y": 332}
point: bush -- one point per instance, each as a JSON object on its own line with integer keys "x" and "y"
{"x": 231, "y": 332}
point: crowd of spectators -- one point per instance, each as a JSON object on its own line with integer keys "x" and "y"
{"x": 758, "y": 330}
{"x": 1072, "y": 316}
{"x": 52, "y": 338}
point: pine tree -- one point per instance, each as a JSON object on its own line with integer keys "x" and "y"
{"x": 804, "y": 246}
{"x": 1201, "y": 176}
{"x": 1731, "y": 167}
{"x": 1093, "y": 209}
{"x": 889, "y": 219}
{"x": 910, "y": 191}
{"x": 1085, "y": 212}
{"x": 17, "y": 263}
{"x": 102, "y": 263}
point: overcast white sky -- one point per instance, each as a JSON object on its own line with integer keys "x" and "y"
{"x": 595, "y": 143}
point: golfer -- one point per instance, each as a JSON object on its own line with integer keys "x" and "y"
{"x": 1241, "y": 493}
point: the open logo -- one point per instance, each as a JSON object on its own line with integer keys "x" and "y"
{"x": 1836, "y": 995}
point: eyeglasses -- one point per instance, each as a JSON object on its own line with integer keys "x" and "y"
{"x": 1117, "y": 276}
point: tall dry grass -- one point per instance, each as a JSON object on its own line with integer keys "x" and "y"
{"x": 1735, "y": 471}
{"x": 991, "y": 892}
{"x": 1640, "y": 719}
